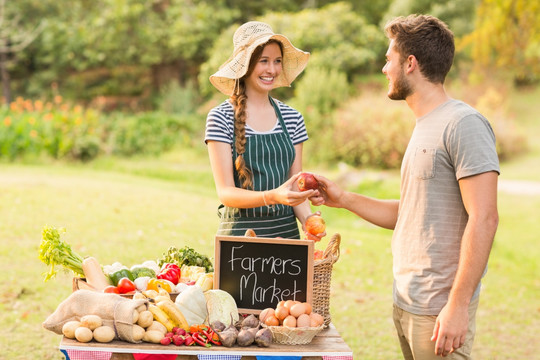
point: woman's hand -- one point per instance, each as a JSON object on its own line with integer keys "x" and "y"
{"x": 288, "y": 193}
{"x": 310, "y": 236}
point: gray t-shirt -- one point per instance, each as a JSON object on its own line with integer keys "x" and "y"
{"x": 451, "y": 142}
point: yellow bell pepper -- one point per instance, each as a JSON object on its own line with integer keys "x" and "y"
{"x": 156, "y": 284}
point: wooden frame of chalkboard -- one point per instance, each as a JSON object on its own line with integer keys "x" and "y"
{"x": 260, "y": 272}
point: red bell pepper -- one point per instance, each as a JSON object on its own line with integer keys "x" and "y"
{"x": 170, "y": 272}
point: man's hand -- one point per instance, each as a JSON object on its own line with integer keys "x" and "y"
{"x": 450, "y": 329}
{"x": 329, "y": 193}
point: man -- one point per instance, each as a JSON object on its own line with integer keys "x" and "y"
{"x": 446, "y": 218}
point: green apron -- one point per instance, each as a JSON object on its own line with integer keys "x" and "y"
{"x": 270, "y": 157}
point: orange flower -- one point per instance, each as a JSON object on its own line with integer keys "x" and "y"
{"x": 7, "y": 121}
{"x": 14, "y": 107}
{"x": 28, "y": 106}
{"x": 33, "y": 134}
{"x": 48, "y": 117}
{"x": 38, "y": 105}
{"x": 31, "y": 120}
{"x": 58, "y": 99}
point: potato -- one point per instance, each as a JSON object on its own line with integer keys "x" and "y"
{"x": 91, "y": 321}
{"x": 104, "y": 334}
{"x": 266, "y": 313}
{"x": 303, "y": 320}
{"x": 153, "y": 336}
{"x": 69, "y": 328}
{"x": 145, "y": 319}
{"x": 135, "y": 316}
{"x": 156, "y": 325}
{"x": 83, "y": 334}
{"x": 138, "y": 332}
{"x": 316, "y": 319}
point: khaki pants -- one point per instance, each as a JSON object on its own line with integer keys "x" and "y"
{"x": 415, "y": 331}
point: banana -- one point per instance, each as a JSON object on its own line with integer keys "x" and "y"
{"x": 163, "y": 292}
{"x": 173, "y": 313}
{"x": 150, "y": 294}
{"x": 160, "y": 298}
{"x": 160, "y": 316}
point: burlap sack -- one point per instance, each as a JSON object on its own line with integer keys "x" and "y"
{"x": 115, "y": 311}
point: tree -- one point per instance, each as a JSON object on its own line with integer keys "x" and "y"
{"x": 506, "y": 37}
{"x": 458, "y": 14}
{"x": 13, "y": 39}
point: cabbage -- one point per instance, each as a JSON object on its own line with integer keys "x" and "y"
{"x": 221, "y": 307}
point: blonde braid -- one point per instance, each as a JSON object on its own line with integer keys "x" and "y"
{"x": 239, "y": 104}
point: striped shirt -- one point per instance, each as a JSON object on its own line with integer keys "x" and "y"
{"x": 220, "y": 124}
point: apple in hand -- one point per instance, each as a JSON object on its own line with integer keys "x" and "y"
{"x": 306, "y": 181}
{"x": 315, "y": 225}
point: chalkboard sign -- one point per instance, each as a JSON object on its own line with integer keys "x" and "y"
{"x": 260, "y": 272}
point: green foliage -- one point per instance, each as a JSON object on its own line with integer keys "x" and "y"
{"x": 148, "y": 133}
{"x": 510, "y": 142}
{"x": 319, "y": 93}
{"x": 458, "y": 14}
{"x": 336, "y": 37}
{"x": 370, "y": 131}
{"x": 506, "y": 37}
{"x": 176, "y": 99}
{"x": 109, "y": 34}
{"x": 30, "y": 129}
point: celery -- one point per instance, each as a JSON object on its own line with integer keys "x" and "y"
{"x": 55, "y": 252}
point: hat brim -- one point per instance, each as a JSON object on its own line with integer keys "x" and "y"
{"x": 294, "y": 62}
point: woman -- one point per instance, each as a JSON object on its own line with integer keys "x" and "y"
{"x": 254, "y": 141}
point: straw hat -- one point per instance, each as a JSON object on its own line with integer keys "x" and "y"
{"x": 245, "y": 40}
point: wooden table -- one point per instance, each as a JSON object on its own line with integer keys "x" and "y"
{"x": 327, "y": 343}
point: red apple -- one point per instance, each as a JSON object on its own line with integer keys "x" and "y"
{"x": 315, "y": 225}
{"x": 306, "y": 181}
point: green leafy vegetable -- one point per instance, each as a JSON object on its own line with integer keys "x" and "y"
{"x": 186, "y": 256}
{"x": 55, "y": 252}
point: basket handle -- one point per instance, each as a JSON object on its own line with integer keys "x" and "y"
{"x": 332, "y": 249}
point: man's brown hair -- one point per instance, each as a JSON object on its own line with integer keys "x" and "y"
{"x": 428, "y": 39}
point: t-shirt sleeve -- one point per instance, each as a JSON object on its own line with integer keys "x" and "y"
{"x": 300, "y": 132}
{"x": 294, "y": 121}
{"x": 471, "y": 144}
{"x": 217, "y": 127}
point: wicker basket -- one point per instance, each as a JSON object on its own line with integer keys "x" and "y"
{"x": 322, "y": 276}
{"x": 293, "y": 336}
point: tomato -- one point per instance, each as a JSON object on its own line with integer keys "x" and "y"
{"x": 125, "y": 285}
{"x": 111, "y": 289}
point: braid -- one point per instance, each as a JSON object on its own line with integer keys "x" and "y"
{"x": 239, "y": 103}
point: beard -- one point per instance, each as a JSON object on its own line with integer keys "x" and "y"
{"x": 401, "y": 88}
